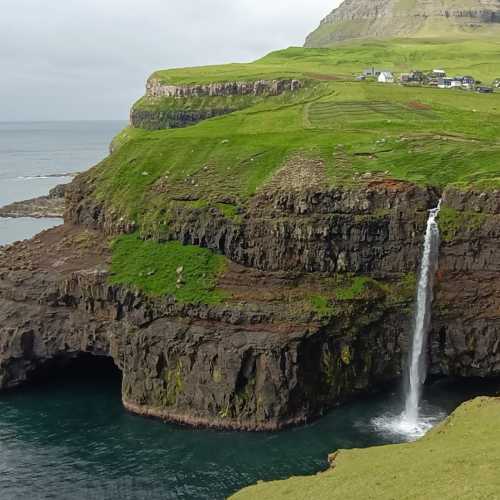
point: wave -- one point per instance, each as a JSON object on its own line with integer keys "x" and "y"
{"x": 45, "y": 176}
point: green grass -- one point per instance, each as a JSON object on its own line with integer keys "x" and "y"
{"x": 187, "y": 273}
{"x": 356, "y": 288}
{"x": 457, "y": 459}
{"x": 459, "y": 56}
{"x": 451, "y": 222}
{"x": 422, "y": 135}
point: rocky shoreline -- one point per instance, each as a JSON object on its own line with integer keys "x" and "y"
{"x": 50, "y": 206}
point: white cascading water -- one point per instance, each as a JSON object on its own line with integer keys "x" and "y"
{"x": 410, "y": 423}
{"x": 417, "y": 365}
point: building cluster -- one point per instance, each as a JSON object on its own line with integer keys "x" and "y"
{"x": 436, "y": 78}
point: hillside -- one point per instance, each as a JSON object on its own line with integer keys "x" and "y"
{"x": 458, "y": 459}
{"x": 355, "y": 19}
{"x": 354, "y": 128}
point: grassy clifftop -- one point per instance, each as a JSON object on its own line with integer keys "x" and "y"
{"x": 420, "y": 134}
{"x": 482, "y": 56}
{"x": 458, "y": 459}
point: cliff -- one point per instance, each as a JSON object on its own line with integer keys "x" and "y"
{"x": 256, "y": 269}
{"x": 283, "y": 343}
{"x": 355, "y": 19}
{"x": 173, "y": 106}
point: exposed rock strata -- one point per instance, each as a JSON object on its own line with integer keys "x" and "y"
{"x": 224, "y": 366}
{"x": 389, "y": 18}
{"x": 256, "y": 362}
{"x": 183, "y": 113}
{"x": 155, "y": 88}
{"x": 158, "y": 120}
{"x": 377, "y": 227}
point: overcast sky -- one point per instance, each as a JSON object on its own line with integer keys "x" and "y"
{"x": 89, "y": 59}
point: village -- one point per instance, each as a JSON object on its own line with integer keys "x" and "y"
{"x": 436, "y": 78}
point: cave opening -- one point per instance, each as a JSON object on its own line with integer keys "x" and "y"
{"x": 77, "y": 368}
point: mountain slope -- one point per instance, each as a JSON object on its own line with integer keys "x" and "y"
{"x": 407, "y": 18}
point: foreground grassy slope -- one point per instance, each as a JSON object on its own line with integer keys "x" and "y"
{"x": 458, "y": 459}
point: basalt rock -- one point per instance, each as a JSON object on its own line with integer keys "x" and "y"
{"x": 51, "y": 205}
{"x": 218, "y": 366}
{"x": 156, "y": 88}
{"x": 262, "y": 362}
{"x": 158, "y": 120}
{"x": 180, "y": 111}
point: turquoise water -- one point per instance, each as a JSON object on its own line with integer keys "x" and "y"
{"x": 70, "y": 438}
{"x": 33, "y": 155}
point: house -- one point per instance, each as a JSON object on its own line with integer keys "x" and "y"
{"x": 468, "y": 81}
{"x": 485, "y": 90}
{"x": 449, "y": 83}
{"x": 439, "y": 73}
{"x": 386, "y": 77}
{"x": 444, "y": 83}
{"x": 371, "y": 72}
{"x": 412, "y": 77}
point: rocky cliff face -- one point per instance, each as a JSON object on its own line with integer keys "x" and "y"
{"x": 391, "y": 18}
{"x": 158, "y": 120}
{"x": 259, "y": 361}
{"x": 255, "y": 366}
{"x": 169, "y": 106}
{"x": 155, "y": 88}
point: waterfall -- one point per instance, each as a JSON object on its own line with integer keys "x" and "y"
{"x": 417, "y": 365}
{"x": 411, "y": 423}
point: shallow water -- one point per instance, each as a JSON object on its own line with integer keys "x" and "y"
{"x": 72, "y": 439}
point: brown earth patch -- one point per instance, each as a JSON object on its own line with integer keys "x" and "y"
{"x": 297, "y": 174}
{"x": 419, "y": 106}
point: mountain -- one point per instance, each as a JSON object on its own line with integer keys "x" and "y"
{"x": 407, "y": 18}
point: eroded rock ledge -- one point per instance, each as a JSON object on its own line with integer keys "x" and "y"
{"x": 155, "y": 88}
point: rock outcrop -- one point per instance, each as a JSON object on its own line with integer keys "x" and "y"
{"x": 391, "y": 18}
{"x": 251, "y": 365}
{"x": 51, "y": 205}
{"x": 156, "y": 88}
{"x": 171, "y": 106}
{"x": 258, "y": 361}
{"x": 175, "y": 118}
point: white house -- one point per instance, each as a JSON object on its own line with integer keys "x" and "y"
{"x": 449, "y": 83}
{"x": 386, "y": 77}
{"x": 439, "y": 73}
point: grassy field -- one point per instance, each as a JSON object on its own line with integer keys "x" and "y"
{"x": 459, "y": 56}
{"x": 424, "y": 135}
{"x": 457, "y": 459}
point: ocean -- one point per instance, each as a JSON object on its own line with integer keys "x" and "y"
{"x": 36, "y": 156}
